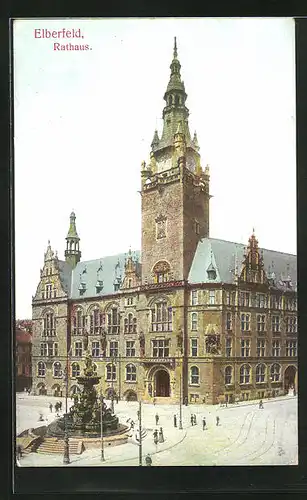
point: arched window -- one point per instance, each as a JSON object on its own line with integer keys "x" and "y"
{"x": 177, "y": 100}
{"x": 245, "y": 374}
{"x": 161, "y": 272}
{"x": 194, "y": 321}
{"x": 111, "y": 371}
{"x": 57, "y": 369}
{"x": 130, "y": 324}
{"x": 194, "y": 375}
{"x": 49, "y": 324}
{"x": 41, "y": 369}
{"x": 113, "y": 320}
{"x": 275, "y": 372}
{"x": 131, "y": 373}
{"x": 228, "y": 375}
{"x": 96, "y": 321}
{"x": 78, "y": 322}
{"x": 161, "y": 317}
{"x": 75, "y": 370}
{"x": 260, "y": 373}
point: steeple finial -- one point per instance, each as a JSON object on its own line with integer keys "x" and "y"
{"x": 72, "y": 252}
{"x": 175, "y": 48}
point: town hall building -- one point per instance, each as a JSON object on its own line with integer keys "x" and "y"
{"x": 188, "y": 316}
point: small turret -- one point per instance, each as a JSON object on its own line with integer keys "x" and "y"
{"x": 155, "y": 141}
{"x": 72, "y": 252}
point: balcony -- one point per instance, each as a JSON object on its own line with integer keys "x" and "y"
{"x": 50, "y": 332}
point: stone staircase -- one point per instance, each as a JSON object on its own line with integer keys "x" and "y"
{"x": 55, "y": 445}
{"x": 28, "y": 443}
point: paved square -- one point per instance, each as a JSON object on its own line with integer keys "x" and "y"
{"x": 246, "y": 435}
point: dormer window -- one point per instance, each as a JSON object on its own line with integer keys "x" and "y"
{"x": 211, "y": 272}
{"x": 99, "y": 286}
{"x": 82, "y": 288}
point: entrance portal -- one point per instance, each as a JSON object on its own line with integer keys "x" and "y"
{"x": 289, "y": 378}
{"x": 162, "y": 384}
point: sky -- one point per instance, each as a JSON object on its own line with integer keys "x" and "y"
{"x": 84, "y": 122}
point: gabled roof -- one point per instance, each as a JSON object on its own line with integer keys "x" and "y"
{"x": 107, "y": 270}
{"x": 65, "y": 275}
{"x": 226, "y": 255}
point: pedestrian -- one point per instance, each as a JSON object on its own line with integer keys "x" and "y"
{"x": 226, "y": 403}
{"x": 132, "y": 424}
{"x": 186, "y": 401}
{"x": 157, "y": 418}
{"x": 217, "y": 420}
{"x": 60, "y": 405}
{"x": 195, "y": 423}
{"x": 192, "y": 419}
{"x": 175, "y": 420}
{"x": 117, "y": 399}
{"x": 50, "y": 407}
{"x": 154, "y": 401}
{"x": 148, "y": 460}
{"x": 138, "y": 414}
{"x": 155, "y": 436}
{"x": 204, "y": 423}
{"x": 61, "y": 393}
{"x": 161, "y": 437}
{"x": 260, "y": 404}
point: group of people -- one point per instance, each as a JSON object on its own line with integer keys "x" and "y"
{"x": 57, "y": 407}
{"x": 158, "y": 436}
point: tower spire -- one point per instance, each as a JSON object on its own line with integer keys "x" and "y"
{"x": 72, "y": 252}
{"x": 175, "y": 109}
{"x": 175, "y": 48}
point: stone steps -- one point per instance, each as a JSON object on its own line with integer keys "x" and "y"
{"x": 54, "y": 445}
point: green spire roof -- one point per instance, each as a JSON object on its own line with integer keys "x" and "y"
{"x": 72, "y": 232}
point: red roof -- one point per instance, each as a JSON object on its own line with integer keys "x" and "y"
{"x": 23, "y": 337}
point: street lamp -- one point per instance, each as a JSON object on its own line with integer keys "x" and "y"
{"x": 66, "y": 459}
{"x": 101, "y": 426}
{"x": 140, "y": 433}
{"x": 112, "y": 386}
{"x": 180, "y": 403}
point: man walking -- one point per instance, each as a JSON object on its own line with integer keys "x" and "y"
{"x": 195, "y": 423}
{"x": 50, "y": 407}
{"x": 157, "y": 418}
{"x": 161, "y": 437}
{"x": 192, "y": 419}
{"x": 155, "y": 436}
{"x": 204, "y": 423}
{"x": 175, "y": 420}
{"x": 260, "y": 405}
{"x": 217, "y": 420}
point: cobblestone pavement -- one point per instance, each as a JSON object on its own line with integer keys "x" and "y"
{"x": 246, "y": 435}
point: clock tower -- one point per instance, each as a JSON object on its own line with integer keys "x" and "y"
{"x": 175, "y": 191}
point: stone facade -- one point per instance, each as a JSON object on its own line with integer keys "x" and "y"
{"x": 185, "y": 321}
